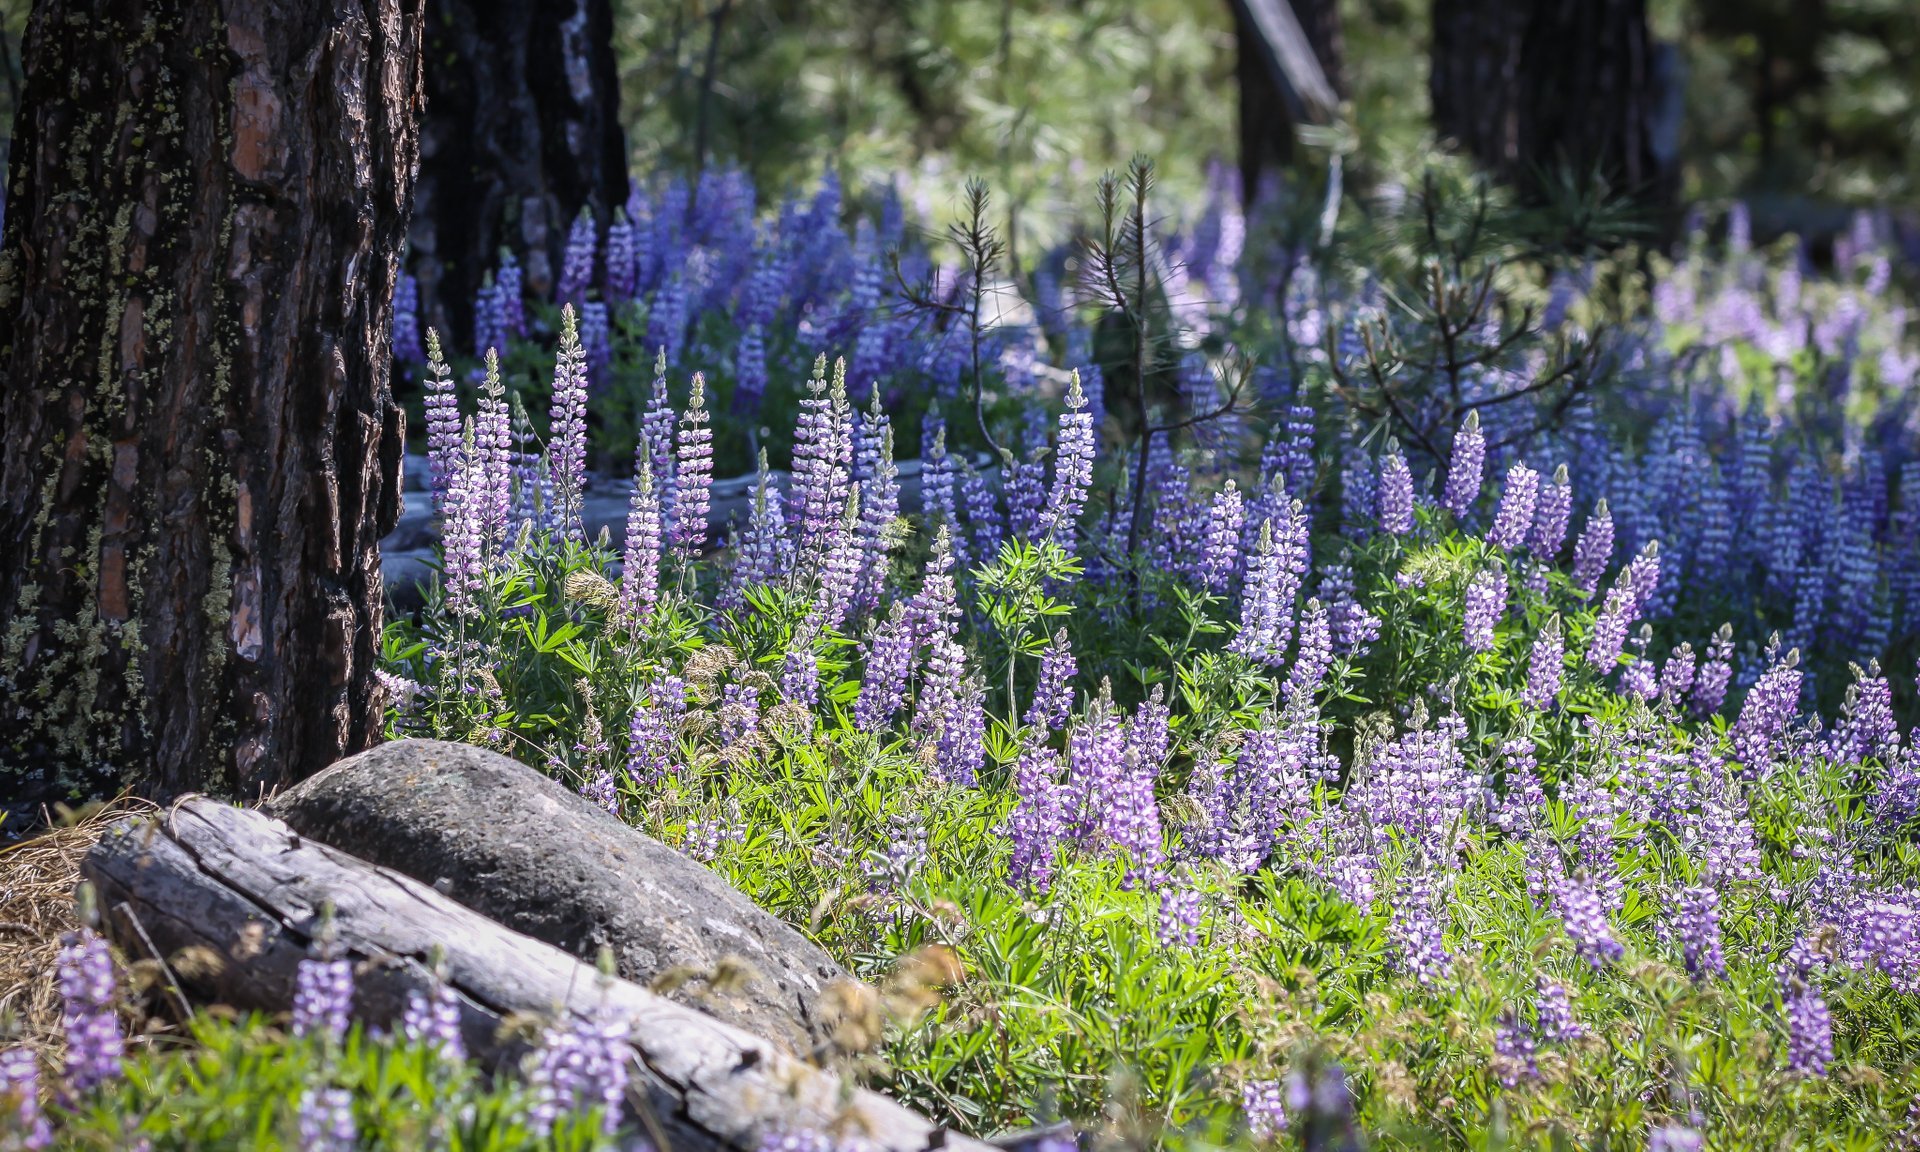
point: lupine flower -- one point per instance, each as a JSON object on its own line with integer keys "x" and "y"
{"x": 1770, "y": 706}
{"x": 1179, "y": 925}
{"x": 749, "y": 373}
{"x": 822, "y": 460}
{"x": 570, "y": 425}
{"x": 94, "y": 1044}
{"x": 1262, "y": 1102}
{"x": 874, "y": 469}
{"x": 432, "y": 1018}
{"x": 1550, "y": 515}
{"x": 656, "y": 428}
{"x": 323, "y": 992}
{"x": 1072, "y": 468}
{"x": 407, "y": 348}
{"x": 1676, "y": 676}
{"x": 509, "y": 299}
{"x": 1513, "y": 1051}
{"x": 983, "y": 514}
{"x": 596, "y": 335}
{"x": 640, "y": 553}
{"x": 1710, "y": 683}
{"x": 1696, "y": 921}
{"x": 937, "y": 480}
{"x": 1866, "y": 727}
{"x": 1486, "y": 603}
{"x": 1417, "y": 926}
{"x": 581, "y": 1064}
{"x": 1643, "y": 574}
{"x": 1465, "y": 472}
{"x": 463, "y": 532}
{"x": 1584, "y": 915}
{"x": 1315, "y": 656}
{"x": 622, "y": 258}
{"x": 1053, "y": 694}
{"x": 1594, "y": 550}
{"x": 1639, "y": 681}
{"x": 1554, "y": 1012}
{"x": 1353, "y": 628}
{"x": 888, "y": 661}
{"x": 935, "y": 607}
{"x": 1359, "y": 503}
{"x": 840, "y": 570}
{"x": 1513, "y": 518}
{"x": 1273, "y": 580}
{"x": 326, "y": 1120}
{"x": 1419, "y": 784}
{"x": 1544, "y": 666}
{"x": 1609, "y": 636}
{"x": 763, "y": 553}
{"x": 653, "y": 732}
{"x": 1809, "y": 1032}
{"x": 20, "y": 1114}
{"x": 1038, "y": 821}
{"x": 443, "y": 423}
{"x": 692, "y": 474}
{"x": 1221, "y": 558}
{"x": 577, "y": 259}
{"x": 1395, "y": 492}
{"x": 1675, "y": 1138}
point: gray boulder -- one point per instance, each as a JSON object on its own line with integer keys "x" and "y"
{"x": 521, "y": 849}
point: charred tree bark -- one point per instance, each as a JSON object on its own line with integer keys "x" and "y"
{"x": 522, "y": 131}
{"x": 200, "y": 452}
{"x": 1281, "y": 69}
{"x": 1526, "y": 86}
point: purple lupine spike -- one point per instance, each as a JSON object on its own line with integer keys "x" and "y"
{"x": 935, "y": 607}
{"x": 656, "y": 428}
{"x": 432, "y": 1018}
{"x": 1053, "y": 694}
{"x": 654, "y": 731}
{"x": 1395, "y": 495}
{"x": 1809, "y": 1032}
{"x": 888, "y": 659}
{"x": 822, "y": 461}
{"x": 1866, "y": 728}
{"x": 623, "y": 258}
{"x": 1072, "y": 468}
{"x": 1260, "y": 608}
{"x": 640, "y": 554}
{"x": 323, "y": 988}
{"x": 1179, "y": 923}
{"x": 1584, "y": 916}
{"x": 21, "y": 1115}
{"x": 1264, "y": 1106}
{"x": 88, "y": 1018}
{"x": 509, "y": 299}
{"x": 1609, "y": 637}
{"x": 407, "y": 348}
{"x": 463, "y": 530}
{"x": 1418, "y": 925}
{"x": 982, "y": 514}
{"x": 692, "y": 475}
{"x": 596, "y": 336}
{"x": 325, "y": 1120}
{"x": 1769, "y": 708}
{"x": 763, "y": 554}
{"x": 1553, "y": 1009}
{"x": 937, "y": 480}
{"x": 1358, "y": 500}
{"x": 1513, "y": 1051}
{"x": 800, "y": 668}
{"x": 1550, "y": 515}
{"x": 1544, "y": 667}
{"x": 840, "y": 569}
{"x": 1221, "y": 557}
{"x": 1696, "y": 921}
{"x": 493, "y": 448}
{"x": 963, "y": 735}
{"x": 1315, "y": 656}
{"x": 1676, "y": 676}
{"x": 1467, "y": 468}
{"x": 489, "y": 331}
{"x": 1710, "y": 683}
{"x": 577, "y": 260}
{"x": 1643, "y": 573}
{"x": 667, "y": 318}
{"x": 941, "y": 688}
{"x": 443, "y": 423}
{"x": 1594, "y": 550}
{"x": 749, "y": 373}
{"x": 1038, "y": 821}
{"x": 569, "y": 433}
{"x": 1514, "y": 515}
{"x": 1639, "y": 681}
{"x": 1353, "y": 628}
{"x": 1486, "y": 603}
{"x": 879, "y": 480}
{"x": 582, "y": 1064}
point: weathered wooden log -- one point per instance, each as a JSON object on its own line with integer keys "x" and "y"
{"x": 231, "y": 899}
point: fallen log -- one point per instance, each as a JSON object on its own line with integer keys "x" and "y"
{"x": 231, "y": 899}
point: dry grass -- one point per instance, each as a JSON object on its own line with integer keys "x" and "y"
{"x": 37, "y": 879}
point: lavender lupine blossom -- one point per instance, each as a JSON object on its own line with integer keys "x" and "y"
{"x": 1272, "y": 583}
{"x": 622, "y": 258}
{"x": 763, "y": 553}
{"x": 656, "y": 428}
{"x": 1513, "y": 1051}
{"x": 1513, "y": 517}
{"x": 1640, "y": 681}
{"x": 1809, "y": 1031}
{"x": 493, "y": 452}
{"x": 581, "y": 1064}
{"x": 1395, "y": 492}
{"x": 1551, "y": 513}
{"x": 1544, "y": 666}
{"x": 1769, "y": 708}
{"x": 982, "y": 514}
{"x": 1025, "y": 484}
{"x": 1038, "y": 821}
{"x": 933, "y": 610}
{"x": 463, "y": 531}
{"x": 822, "y": 461}
{"x": 1710, "y": 683}
{"x": 1072, "y": 469}
{"x": 1486, "y": 603}
{"x": 800, "y": 668}
{"x": 1594, "y": 550}
{"x": 692, "y": 474}
{"x": 325, "y": 1120}
{"x": 1315, "y": 655}
{"x": 653, "y": 733}
{"x": 1866, "y": 727}
{"x": 1179, "y": 924}
{"x": 509, "y": 299}
{"x": 1359, "y": 503}
{"x": 577, "y": 259}
{"x": 1263, "y": 1103}
{"x": 963, "y": 735}
{"x": 1609, "y": 637}
{"x": 1643, "y": 573}
{"x": 1353, "y": 628}
{"x": 1420, "y": 784}
{"x": 1676, "y": 1138}
{"x": 1417, "y": 925}
{"x": 1467, "y": 468}
{"x": 407, "y": 348}
{"x": 596, "y": 335}
{"x": 840, "y": 570}
{"x": 750, "y": 372}
{"x": 1221, "y": 557}
{"x": 640, "y": 554}
{"x": 888, "y": 659}
{"x": 432, "y": 1018}
{"x": 87, "y": 1016}
{"x": 569, "y": 452}
{"x": 443, "y": 423}
{"x": 1696, "y": 922}
{"x": 937, "y": 475}
{"x": 1584, "y": 916}
{"x": 879, "y": 482}
{"x": 1553, "y": 1010}
{"x": 1053, "y": 694}
{"x": 323, "y": 993}
{"x": 21, "y": 1116}
{"x": 1676, "y": 676}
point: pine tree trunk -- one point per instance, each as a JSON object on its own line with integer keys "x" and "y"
{"x": 1529, "y": 86}
{"x": 200, "y": 451}
{"x": 522, "y": 131}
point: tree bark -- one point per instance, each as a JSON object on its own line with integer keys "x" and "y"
{"x": 231, "y": 899}
{"x": 1282, "y": 77}
{"x": 200, "y": 452}
{"x": 1526, "y": 86}
{"x": 522, "y": 132}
